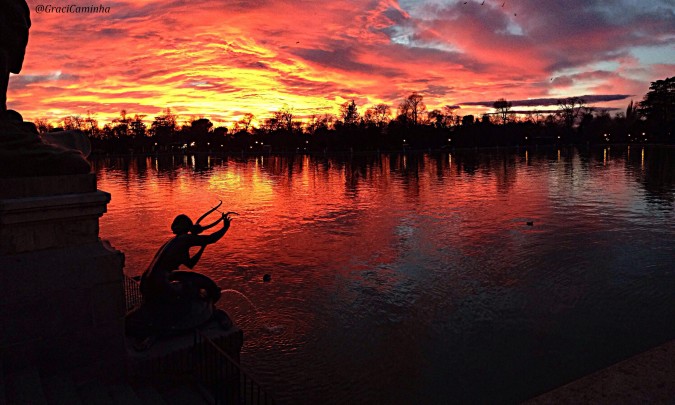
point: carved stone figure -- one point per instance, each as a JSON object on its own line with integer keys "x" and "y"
{"x": 14, "y": 25}
{"x": 22, "y": 152}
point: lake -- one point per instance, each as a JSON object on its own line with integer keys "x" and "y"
{"x": 415, "y": 278}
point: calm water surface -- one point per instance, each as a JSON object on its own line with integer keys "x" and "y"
{"x": 414, "y": 279}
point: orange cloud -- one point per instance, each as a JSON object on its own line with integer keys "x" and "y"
{"x": 221, "y": 59}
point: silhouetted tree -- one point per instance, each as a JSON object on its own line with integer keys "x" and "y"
{"x": 443, "y": 118}
{"x": 43, "y": 125}
{"x": 219, "y": 137}
{"x": 163, "y": 128}
{"x": 413, "y": 127}
{"x": 436, "y": 118}
{"x": 121, "y": 125}
{"x": 349, "y": 114}
{"x": 137, "y": 126}
{"x": 201, "y": 125}
{"x": 91, "y": 126}
{"x": 569, "y": 109}
{"x": 199, "y": 132}
{"x": 284, "y": 118}
{"x": 658, "y": 106}
{"x": 244, "y": 123}
{"x": 138, "y": 132}
{"x": 503, "y": 108}
{"x": 72, "y": 122}
{"x": 319, "y": 123}
{"x": 378, "y": 115}
{"x": 467, "y": 120}
{"x": 270, "y": 125}
{"x": 412, "y": 109}
{"x": 280, "y": 120}
{"x": 449, "y": 116}
{"x": 631, "y": 110}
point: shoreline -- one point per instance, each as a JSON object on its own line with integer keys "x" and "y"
{"x": 339, "y": 153}
{"x": 647, "y": 378}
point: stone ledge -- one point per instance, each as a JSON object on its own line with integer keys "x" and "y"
{"x": 47, "y": 222}
{"x": 35, "y": 209}
{"x": 46, "y": 185}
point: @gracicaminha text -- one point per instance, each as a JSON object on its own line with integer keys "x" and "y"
{"x": 71, "y": 9}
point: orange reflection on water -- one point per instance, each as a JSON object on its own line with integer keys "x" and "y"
{"x": 385, "y": 248}
{"x": 334, "y": 205}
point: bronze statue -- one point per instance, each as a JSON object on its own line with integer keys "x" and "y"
{"x": 14, "y": 25}
{"x": 161, "y": 283}
{"x": 176, "y": 300}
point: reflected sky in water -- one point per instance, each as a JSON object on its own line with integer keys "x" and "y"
{"x": 415, "y": 278}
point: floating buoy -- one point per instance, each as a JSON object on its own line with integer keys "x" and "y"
{"x": 267, "y": 278}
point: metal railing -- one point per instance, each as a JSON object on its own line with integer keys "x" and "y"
{"x": 223, "y": 377}
{"x": 207, "y": 362}
{"x": 132, "y": 291}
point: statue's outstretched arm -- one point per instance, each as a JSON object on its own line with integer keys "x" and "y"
{"x": 202, "y": 241}
{"x": 194, "y": 259}
{"x": 214, "y": 237}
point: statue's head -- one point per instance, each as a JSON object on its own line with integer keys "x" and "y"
{"x": 181, "y": 225}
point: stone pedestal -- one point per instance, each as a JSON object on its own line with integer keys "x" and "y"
{"x": 61, "y": 287}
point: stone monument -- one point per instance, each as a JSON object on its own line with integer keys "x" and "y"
{"x": 62, "y": 302}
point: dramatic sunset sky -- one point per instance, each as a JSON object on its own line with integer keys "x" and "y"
{"x": 221, "y": 58}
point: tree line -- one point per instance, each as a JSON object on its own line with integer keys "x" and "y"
{"x": 379, "y": 127}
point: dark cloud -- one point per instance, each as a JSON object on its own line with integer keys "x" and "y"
{"x": 343, "y": 59}
{"x": 244, "y": 5}
{"x": 562, "y": 81}
{"x": 395, "y": 15}
{"x": 437, "y": 90}
{"x": 154, "y": 35}
{"x": 112, "y": 33}
{"x": 573, "y": 33}
{"x": 543, "y": 102}
{"x": 257, "y": 65}
{"x": 554, "y": 111}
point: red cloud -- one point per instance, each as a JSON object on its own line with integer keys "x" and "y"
{"x": 207, "y": 58}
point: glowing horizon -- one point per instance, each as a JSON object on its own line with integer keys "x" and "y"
{"x": 219, "y": 60}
